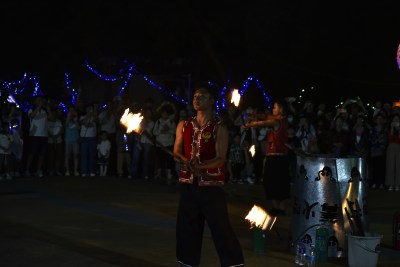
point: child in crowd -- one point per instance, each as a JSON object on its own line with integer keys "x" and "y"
{"x": 103, "y": 153}
{"x": 236, "y": 161}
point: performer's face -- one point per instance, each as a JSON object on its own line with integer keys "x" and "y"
{"x": 202, "y": 100}
{"x": 277, "y": 110}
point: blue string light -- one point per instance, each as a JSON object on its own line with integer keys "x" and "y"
{"x": 26, "y": 84}
{"x": 245, "y": 86}
{"x": 160, "y": 88}
{"x": 71, "y": 90}
{"x": 119, "y": 76}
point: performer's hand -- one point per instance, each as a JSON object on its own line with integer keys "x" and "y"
{"x": 194, "y": 166}
{"x": 246, "y": 126}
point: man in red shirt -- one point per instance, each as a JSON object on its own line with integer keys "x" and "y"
{"x": 201, "y": 146}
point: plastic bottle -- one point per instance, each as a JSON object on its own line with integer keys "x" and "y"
{"x": 300, "y": 258}
{"x": 311, "y": 256}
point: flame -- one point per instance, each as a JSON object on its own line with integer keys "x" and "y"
{"x": 131, "y": 121}
{"x": 235, "y": 97}
{"x": 260, "y": 218}
{"x": 252, "y": 150}
{"x": 396, "y": 104}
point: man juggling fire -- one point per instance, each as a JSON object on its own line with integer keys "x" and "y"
{"x": 201, "y": 146}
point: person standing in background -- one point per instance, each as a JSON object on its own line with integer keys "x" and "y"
{"x": 107, "y": 121}
{"x": 164, "y": 132}
{"x": 88, "y": 136}
{"x": 392, "y": 179}
{"x": 71, "y": 141}
{"x": 55, "y": 144}
{"x": 38, "y": 134}
{"x": 103, "y": 153}
{"x": 6, "y": 143}
{"x": 276, "y": 178}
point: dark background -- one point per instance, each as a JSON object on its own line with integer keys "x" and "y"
{"x": 341, "y": 49}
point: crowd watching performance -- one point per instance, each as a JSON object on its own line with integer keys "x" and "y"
{"x": 87, "y": 140}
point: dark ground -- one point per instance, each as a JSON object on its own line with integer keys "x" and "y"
{"x": 109, "y": 221}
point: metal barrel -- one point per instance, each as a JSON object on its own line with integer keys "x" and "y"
{"x": 324, "y": 188}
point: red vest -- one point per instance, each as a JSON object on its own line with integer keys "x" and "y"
{"x": 277, "y": 140}
{"x": 200, "y": 143}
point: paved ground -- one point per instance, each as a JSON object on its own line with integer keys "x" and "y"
{"x": 109, "y": 221}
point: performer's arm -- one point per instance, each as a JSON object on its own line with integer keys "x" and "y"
{"x": 178, "y": 146}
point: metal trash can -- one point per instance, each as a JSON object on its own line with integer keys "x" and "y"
{"x": 324, "y": 188}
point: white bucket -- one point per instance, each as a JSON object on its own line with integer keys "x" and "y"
{"x": 363, "y": 250}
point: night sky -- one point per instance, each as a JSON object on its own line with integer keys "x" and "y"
{"x": 347, "y": 48}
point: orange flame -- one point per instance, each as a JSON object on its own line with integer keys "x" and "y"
{"x": 260, "y": 218}
{"x": 131, "y": 121}
{"x": 235, "y": 97}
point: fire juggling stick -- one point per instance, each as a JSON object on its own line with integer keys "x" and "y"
{"x": 132, "y": 123}
{"x": 260, "y": 218}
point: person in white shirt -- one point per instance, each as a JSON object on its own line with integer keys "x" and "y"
{"x": 38, "y": 133}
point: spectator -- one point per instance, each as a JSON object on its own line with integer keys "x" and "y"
{"x": 38, "y": 136}
{"x": 71, "y": 142}
{"x": 88, "y": 135}
{"x": 392, "y": 180}
{"x": 164, "y": 131}
{"x": 6, "y": 142}
{"x": 55, "y": 144}
{"x": 103, "y": 153}
{"x": 377, "y": 158}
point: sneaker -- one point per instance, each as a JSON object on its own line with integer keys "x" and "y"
{"x": 76, "y": 173}
{"x": 92, "y": 174}
{"x": 390, "y": 188}
{"x": 397, "y": 188}
{"x": 8, "y": 176}
{"x": 40, "y": 174}
{"x": 249, "y": 180}
{"x": 83, "y": 175}
{"x": 67, "y": 173}
{"x": 381, "y": 186}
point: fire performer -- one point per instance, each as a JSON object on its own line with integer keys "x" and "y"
{"x": 201, "y": 146}
{"x": 276, "y": 178}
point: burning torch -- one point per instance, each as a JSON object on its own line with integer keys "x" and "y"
{"x": 260, "y": 221}
{"x": 132, "y": 123}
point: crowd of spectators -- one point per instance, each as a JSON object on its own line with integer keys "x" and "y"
{"x": 87, "y": 140}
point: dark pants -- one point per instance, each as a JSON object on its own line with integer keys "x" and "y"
{"x": 276, "y": 179}
{"x": 197, "y": 205}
